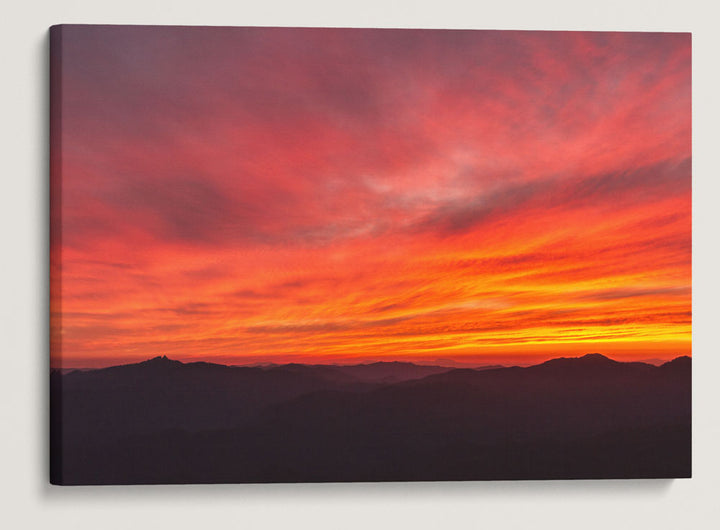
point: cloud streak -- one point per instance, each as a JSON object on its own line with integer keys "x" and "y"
{"x": 310, "y": 193}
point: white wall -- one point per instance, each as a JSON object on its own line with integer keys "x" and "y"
{"x": 27, "y": 501}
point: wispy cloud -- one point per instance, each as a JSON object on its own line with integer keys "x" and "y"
{"x": 290, "y": 192}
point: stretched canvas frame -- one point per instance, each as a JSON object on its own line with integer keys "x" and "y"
{"x": 299, "y": 255}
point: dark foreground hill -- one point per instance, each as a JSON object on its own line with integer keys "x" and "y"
{"x": 163, "y": 421}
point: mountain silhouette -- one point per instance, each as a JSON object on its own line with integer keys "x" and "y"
{"x": 164, "y": 421}
{"x": 589, "y": 359}
{"x": 390, "y": 372}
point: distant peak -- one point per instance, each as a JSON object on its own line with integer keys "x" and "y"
{"x": 388, "y": 363}
{"x": 596, "y": 357}
{"x": 682, "y": 361}
{"x": 590, "y": 359}
{"x": 161, "y": 360}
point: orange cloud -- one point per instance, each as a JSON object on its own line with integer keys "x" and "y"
{"x": 334, "y": 195}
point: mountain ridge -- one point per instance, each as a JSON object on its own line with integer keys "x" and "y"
{"x": 165, "y": 421}
{"x": 585, "y": 359}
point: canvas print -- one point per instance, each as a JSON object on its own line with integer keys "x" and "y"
{"x": 337, "y": 255}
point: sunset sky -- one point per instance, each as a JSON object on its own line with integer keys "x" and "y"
{"x": 244, "y": 195}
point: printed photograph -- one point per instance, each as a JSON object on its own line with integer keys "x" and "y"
{"x": 368, "y": 255}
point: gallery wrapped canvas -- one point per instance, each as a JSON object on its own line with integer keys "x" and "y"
{"x": 334, "y": 255}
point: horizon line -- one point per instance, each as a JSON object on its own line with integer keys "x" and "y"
{"x": 438, "y": 362}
